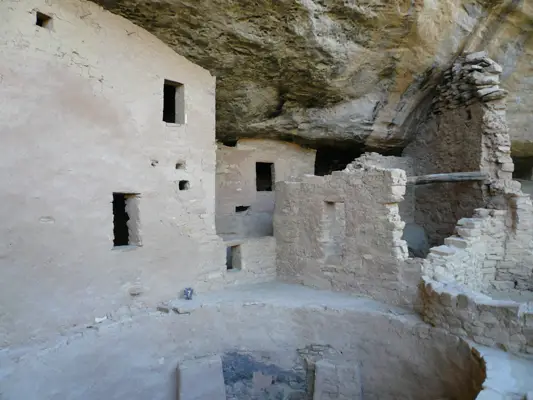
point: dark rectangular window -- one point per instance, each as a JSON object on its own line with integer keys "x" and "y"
{"x": 173, "y": 102}
{"x": 264, "y": 176}
{"x": 125, "y": 219}
{"x": 43, "y": 20}
{"x": 233, "y": 258}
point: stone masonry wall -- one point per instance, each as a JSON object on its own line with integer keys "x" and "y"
{"x": 465, "y": 130}
{"x": 492, "y": 250}
{"x": 514, "y": 270}
{"x": 407, "y": 206}
{"x": 343, "y": 232}
{"x": 505, "y": 324}
{"x": 471, "y": 256}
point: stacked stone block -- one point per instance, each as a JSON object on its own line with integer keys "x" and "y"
{"x": 504, "y": 324}
{"x": 471, "y": 256}
{"x": 475, "y": 78}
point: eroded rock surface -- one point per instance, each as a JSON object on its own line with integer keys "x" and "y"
{"x": 338, "y": 70}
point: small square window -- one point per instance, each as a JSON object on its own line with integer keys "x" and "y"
{"x": 43, "y": 20}
{"x": 183, "y": 185}
{"x": 180, "y": 165}
{"x": 173, "y": 102}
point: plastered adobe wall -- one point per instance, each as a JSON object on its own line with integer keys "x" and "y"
{"x": 236, "y": 184}
{"x": 81, "y": 118}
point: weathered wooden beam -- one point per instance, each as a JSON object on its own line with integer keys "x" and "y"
{"x": 450, "y": 177}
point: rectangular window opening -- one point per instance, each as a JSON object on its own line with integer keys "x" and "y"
{"x": 241, "y": 208}
{"x": 126, "y": 219}
{"x": 184, "y": 185}
{"x": 264, "y": 176}
{"x": 173, "y": 102}
{"x": 233, "y": 258}
{"x": 180, "y": 165}
{"x": 43, "y": 20}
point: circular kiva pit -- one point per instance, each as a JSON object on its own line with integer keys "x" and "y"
{"x": 340, "y": 348}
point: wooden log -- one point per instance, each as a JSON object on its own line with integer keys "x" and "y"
{"x": 449, "y": 177}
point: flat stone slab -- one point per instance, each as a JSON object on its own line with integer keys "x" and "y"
{"x": 337, "y": 380}
{"x": 201, "y": 379}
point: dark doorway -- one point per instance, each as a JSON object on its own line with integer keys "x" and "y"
{"x": 264, "y": 176}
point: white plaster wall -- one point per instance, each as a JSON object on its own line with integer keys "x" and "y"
{"x": 236, "y": 183}
{"x": 80, "y": 118}
{"x": 258, "y": 261}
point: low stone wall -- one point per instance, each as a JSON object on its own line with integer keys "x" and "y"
{"x": 494, "y": 323}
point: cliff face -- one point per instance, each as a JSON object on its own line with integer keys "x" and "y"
{"x": 338, "y": 71}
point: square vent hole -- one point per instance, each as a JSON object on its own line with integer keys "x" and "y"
{"x": 43, "y": 20}
{"x": 184, "y": 185}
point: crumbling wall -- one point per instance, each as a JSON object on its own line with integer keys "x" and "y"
{"x": 413, "y": 234}
{"x": 490, "y": 251}
{"x": 241, "y": 210}
{"x": 343, "y": 232}
{"x": 464, "y": 131}
{"x": 472, "y": 255}
{"x": 407, "y": 205}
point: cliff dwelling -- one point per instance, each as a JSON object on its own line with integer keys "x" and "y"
{"x": 308, "y": 229}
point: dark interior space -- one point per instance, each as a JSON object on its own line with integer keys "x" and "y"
{"x": 330, "y": 158}
{"x": 183, "y": 185}
{"x": 264, "y": 176}
{"x": 120, "y": 220}
{"x": 169, "y": 101}
{"x": 233, "y": 254}
{"x": 522, "y": 168}
{"x": 42, "y": 20}
{"x": 241, "y": 208}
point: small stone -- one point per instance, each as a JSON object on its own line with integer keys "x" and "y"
{"x": 163, "y": 308}
{"x": 135, "y": 290}
{"x": 475, "y": 57}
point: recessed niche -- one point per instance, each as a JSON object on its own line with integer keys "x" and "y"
{"x": 43, "y": 20}
{"x": 180, "y": 165}
{"x": 183, "y": 185}
{"x": 230, "y": 142}
{"x": 264, "y": 176}
{"x": 173, "y": 102}
{"x": 233, "y": 258}
{"x": 126, "y": 219}
{"x": 240, "y": 209}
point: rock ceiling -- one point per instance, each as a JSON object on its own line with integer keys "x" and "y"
{"x": 339, "y": 71}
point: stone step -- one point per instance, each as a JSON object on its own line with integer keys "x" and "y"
{"x": 456, "y": 241}
{"x": 443, "y": 250}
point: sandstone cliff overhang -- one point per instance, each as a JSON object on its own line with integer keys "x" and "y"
{"x": 335, "y": 71}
